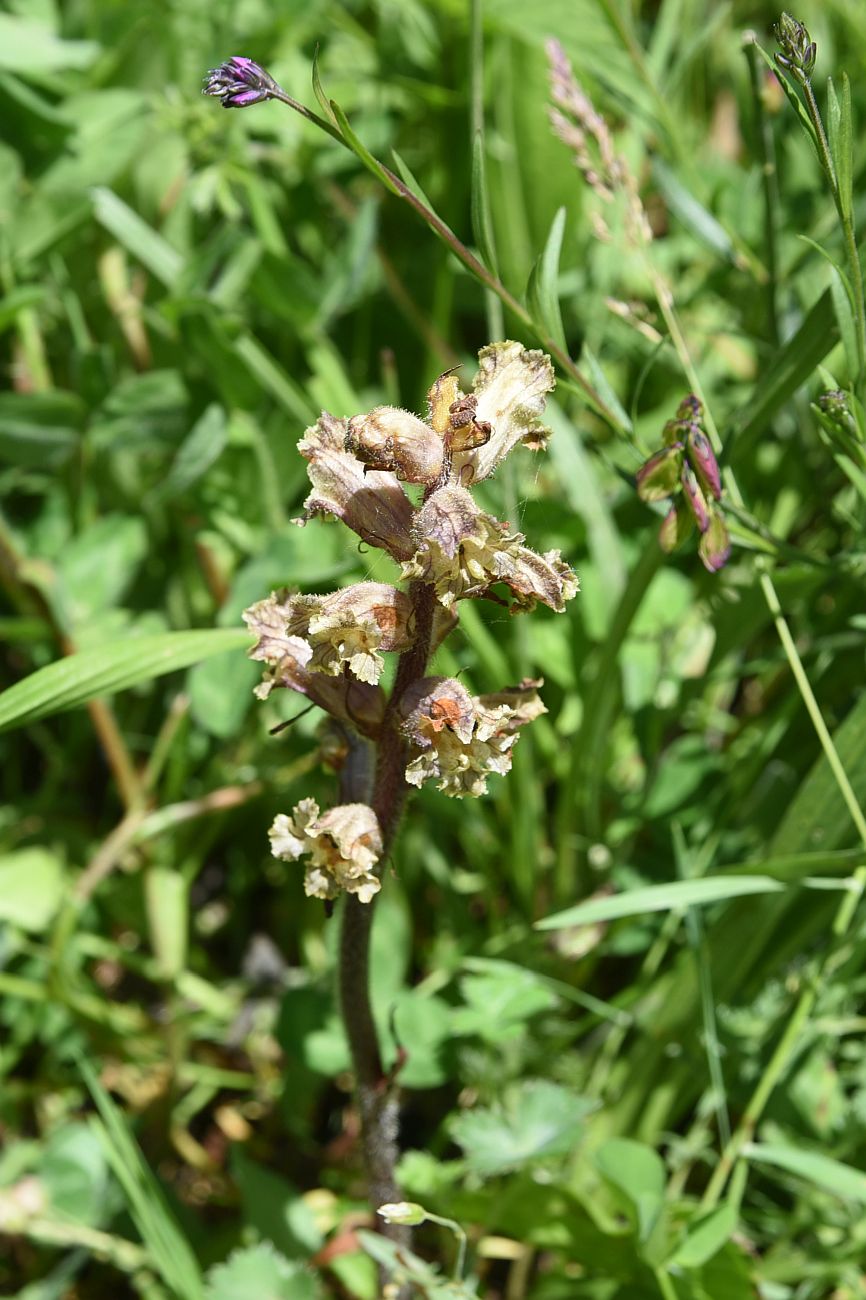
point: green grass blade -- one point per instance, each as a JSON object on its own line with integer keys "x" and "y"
{"x": 137, "y": 237}
{"x": 787, "y": 371}
{"x": 72, "y": 681}
{"x": 542, "y": 291}
{"x": 830, "y": 1175}
{"x": 169, "y": 1249}
{"x": 660, "y": 898}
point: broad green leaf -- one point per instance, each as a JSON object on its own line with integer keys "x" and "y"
{"x": 705, "y": 1237}
{"x": 500, "y": 1003}
{"x": 31, "y": 888}
{"x": 260, "y": 1273}
{"x": 536, "y": 1120}
{"x": 75, "y": 1174}
{"x": 97, "y": 568}
{"x": 831, "y": 1175}
{"x": 221, "y": 692}
{"x": 73, "y": 681}
{"x": 660, "y": 898}
{"x": 274, "y": 1208}
{"x": 27, "y": 47}
{"x": 638, "y": 1173}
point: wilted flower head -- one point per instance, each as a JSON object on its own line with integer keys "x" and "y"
{"x": 797, "y": 50}
{"x": 348, "y": 627}
{"x": 331, "y": 647}
{"x": 463, "y": 551}
{"x": 458, "y": 740}
{"x": 343, "y": 844}
{"x": 239, "y": 82}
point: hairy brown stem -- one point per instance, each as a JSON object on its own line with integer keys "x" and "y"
{"x": 377, "y": 1099}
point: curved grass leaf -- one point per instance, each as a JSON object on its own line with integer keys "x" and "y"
{"x": 659, "y": 898}
{"x": 832, "y": 1175}
{"x": 73, "y": 681}
{"x": 786, "y": 371}
{"x": 542, "y": 291}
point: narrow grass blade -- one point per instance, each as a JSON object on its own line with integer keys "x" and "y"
{"x": 660, "y": 898}
{"x": 831, "y": 1175}
{"x": 360, "y": 149}
{"x": 542, "y": 291}
{"x": 319, "y": 91}
{"x": 168, "y": 1248}
{"x": 90, "y": 674}
{"x": 482, "y": 226}
{"x": 137, "y": 237}
{"x": 787, "y": 371}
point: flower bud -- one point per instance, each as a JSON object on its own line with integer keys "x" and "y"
{"x": 389, "y": 438}
{"x": 695, "y": 498}
{"x": 676, "y": 526}
{"x": 714, "y": 547}
{"x": 239, "y": 82}
{"x": 703, "y": 461}
{"x": 690, "y": 408}
{"x": 659, "y": 477}
{"x": 796, "y": 48}
{"x": 409, "y": 1213}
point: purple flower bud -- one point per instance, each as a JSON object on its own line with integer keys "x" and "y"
{"x": 714, "y": 547}
{"x": 676, "y": 526}
{"x": 659, "y": 477}
{"x": 703, "y": 461}
{"x": 695, "y": 499}
{"x": 239, "y": 82}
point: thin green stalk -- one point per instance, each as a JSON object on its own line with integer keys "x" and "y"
{"x": 648, "y": 970}
{"x": 444, "y": 232}
{"x": 665, "y": 301}
{"x": 846, "y": 221}
{"x": 766, "y": 147}
{"x": 785, "y": 1048}
{"x": 492, "y": 304}
{"x": 665, "y": 1284}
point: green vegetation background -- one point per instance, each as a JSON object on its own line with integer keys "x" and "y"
{"x": 182, "y": 289}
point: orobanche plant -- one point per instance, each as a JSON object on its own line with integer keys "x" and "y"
{"x": 331, "y": 648}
